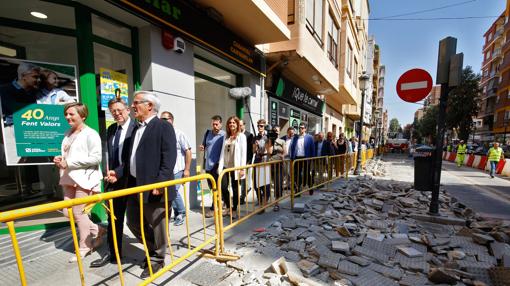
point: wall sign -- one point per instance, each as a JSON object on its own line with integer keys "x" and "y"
{"x": 273, "y": 120}
{"x": 198, "y": 28}
{"x": 297, "y": 96}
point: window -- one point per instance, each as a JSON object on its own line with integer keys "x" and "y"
{"x": 508, "y": 94}
{"x": 332, "y": 40}
{"x": 348, "y": 59}
{"x": 355, "y": 73}
{"x": 314, "y": 19}
{"x": 291, "y": 16}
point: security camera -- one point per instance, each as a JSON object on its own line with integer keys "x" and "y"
{"x": 179, "y": 45}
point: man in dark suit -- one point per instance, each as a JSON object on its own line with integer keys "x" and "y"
{"x": 249, "y": 157}
{"x": 118, "y": 137}
{"x": 152, "y": 160}
{"x": 302, "y": 146}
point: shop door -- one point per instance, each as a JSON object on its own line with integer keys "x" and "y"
{"x": 212, "y": 84}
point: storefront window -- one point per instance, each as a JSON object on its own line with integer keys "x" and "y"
{"x": 107, "y": 29}
{"x": 24, "y": 185}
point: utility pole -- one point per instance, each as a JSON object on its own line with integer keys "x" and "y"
{"x": 449, "y": 70}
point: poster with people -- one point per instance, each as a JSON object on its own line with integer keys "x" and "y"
{"x": 32, "y": 99}
{"x": 113, "y": 84}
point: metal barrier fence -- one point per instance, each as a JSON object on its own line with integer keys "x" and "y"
{"x": 10, "y": 216}
{"x": 285, "y": 179}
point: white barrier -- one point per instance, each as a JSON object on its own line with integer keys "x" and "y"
{"x": 476, "y": 162}
{"x": 466, "y": 158}
{"x": 506, "y": 168}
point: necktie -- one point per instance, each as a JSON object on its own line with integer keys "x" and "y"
{"x": 116, "y": 140}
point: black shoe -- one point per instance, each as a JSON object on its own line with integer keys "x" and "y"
{"x": 155, "y": 268}
{"x": 103, "y": 261}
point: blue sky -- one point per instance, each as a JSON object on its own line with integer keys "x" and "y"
{"x": 411, "y": 44}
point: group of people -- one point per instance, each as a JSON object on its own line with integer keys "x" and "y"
{"x": 494, "y": 155}
{"x": 148, "y": 150}
{"x": 236, "y": 147}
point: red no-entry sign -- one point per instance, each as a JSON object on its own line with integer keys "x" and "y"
{"x": 414, "y": 85}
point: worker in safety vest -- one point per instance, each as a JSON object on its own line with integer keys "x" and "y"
{"x": 461, "y": 152}
{"x": 494, "y": 155}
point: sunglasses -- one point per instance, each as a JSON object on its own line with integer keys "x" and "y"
{"x": 260, "y": 125}
{"x": 165, "y": 118}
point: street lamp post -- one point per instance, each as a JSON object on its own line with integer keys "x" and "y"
{"x": 363, "y": 80}
{"x": 376, "y": 133}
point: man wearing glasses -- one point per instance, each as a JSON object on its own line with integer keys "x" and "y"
{"x": 152, "y": 160}
{"x": 212, "y": 145}
{"x": 181, "y": 169}
{"x": 302, "y": 146}
{"x": 118, "y": 137}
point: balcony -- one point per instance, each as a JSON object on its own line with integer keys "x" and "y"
{"x": 351, "y": 111}
{"x": 267, "y": 22}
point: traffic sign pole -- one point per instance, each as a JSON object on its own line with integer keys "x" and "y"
{"x": 448, "y": 75}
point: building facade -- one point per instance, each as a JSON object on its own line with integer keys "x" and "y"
{"x": 491, "y": 77}
{"x": 189, "y": 54}
{"x": 501, "y": 124}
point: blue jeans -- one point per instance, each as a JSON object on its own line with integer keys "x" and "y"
{"x": 178, "y": 203}
{"x": 493, "y": 167}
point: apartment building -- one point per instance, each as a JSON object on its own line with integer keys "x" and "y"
{"x": 491, "y": 77}
{"x": 501, "y": 124}
{"x": 312, "y": 76}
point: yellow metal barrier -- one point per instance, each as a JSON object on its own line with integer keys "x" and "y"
{"x": 10, "y": 216}
{"x": 339, "y": 166}
{"x": 287, "y": 179}
{"x": 261, "y": 178}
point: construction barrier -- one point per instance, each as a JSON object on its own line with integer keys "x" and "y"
{"x": 285, "y": 179}
{"x": 445, "y": 154}
{"x": 500, "y": 166}
{"x": 10, "y": 216}
{"x": 476, "y": 161}
{"x": 506, "y": 168}
{"x": 470, "y": 160}
{"x": 452, "y": 157}
{"x": 483, "y": 163}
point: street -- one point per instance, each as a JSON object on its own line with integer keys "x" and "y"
{"x": 490, "y": 198}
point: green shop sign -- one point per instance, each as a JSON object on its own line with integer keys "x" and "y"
{"x": 193, "y": 24}
{"x": 39, "y": 130}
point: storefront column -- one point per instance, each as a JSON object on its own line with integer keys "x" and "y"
{"x": 87, "y": 80}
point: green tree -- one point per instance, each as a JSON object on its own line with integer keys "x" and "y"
{"x": 394, "y": 128}
{"x": 463, "y": 103}
{"x": 428, "y": 124}
{"x": 416, "y": 131}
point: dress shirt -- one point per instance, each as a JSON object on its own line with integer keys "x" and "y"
{"x": 136, "y": 141}
{"x": 300, "y": 146}
{"x": 123, "y": 133}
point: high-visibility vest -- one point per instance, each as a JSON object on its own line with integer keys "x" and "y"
{"x": 461, "y": 149}
{"x": 449, "y": 148}
{"x": 495, "y": 154}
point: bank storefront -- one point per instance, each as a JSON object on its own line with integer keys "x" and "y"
{"x": 289, "y": 105}
{"x": 176, "y": 51}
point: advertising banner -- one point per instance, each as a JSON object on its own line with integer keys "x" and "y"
{"x": 32, "y": 99}
{"x": 112, "y": 84}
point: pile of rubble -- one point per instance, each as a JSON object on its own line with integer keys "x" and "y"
{"x": 372, "y": 232}
{"x": 376, "y": 167}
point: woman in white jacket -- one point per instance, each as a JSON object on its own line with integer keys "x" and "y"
{"x": 80, "y": 175}
{"x": 233, "y": 154}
